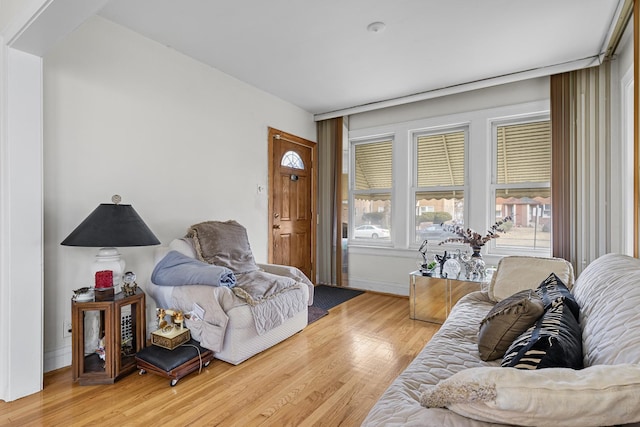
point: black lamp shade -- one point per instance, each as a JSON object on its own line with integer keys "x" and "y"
{"x": 112, "y": 225}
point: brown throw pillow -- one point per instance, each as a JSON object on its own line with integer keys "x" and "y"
{"x": 506, "y": 321}
{"x": 223, "y": 243}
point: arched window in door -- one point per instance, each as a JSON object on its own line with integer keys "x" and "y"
{"x": 291, "y": 159}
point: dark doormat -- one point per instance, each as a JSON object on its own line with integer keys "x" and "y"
{"x": 326, "y": 297}
{"x": 316, "y": 313}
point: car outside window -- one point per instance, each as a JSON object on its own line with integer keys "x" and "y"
{"x": 371, "y": 185}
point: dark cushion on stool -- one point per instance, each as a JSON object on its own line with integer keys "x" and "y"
{"x": 170, "y": 359}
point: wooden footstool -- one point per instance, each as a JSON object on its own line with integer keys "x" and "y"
{"x": 173, "y": 364}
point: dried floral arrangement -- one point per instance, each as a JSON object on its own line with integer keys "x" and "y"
{"x": 475, "y": 239}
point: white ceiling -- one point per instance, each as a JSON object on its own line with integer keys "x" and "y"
{"x": 319, "y": 55}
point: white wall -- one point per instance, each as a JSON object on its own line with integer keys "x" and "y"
{"x": 178, "y": 140}
{"x": 21, "y": 266}
{"x": 8, "y": 10}
{"x": 496, "y": 96}
{"x": 622, "y": 141}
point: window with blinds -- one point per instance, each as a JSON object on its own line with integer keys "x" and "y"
{"x": 371, "y": 190}
{"x": 522, "y": 184}
{"x": 439, "y": 183}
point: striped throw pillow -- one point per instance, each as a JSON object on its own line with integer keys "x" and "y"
{"x": 554, "y": 341}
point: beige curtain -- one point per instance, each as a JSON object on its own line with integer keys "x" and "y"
{"x": 330, "y": 201}
{"x": 580, "y": 119}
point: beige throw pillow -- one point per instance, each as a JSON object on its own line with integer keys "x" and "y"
{"x": 507, "y": 320}
{"x": 516, "y": 273}
{"x": 595, "y": 396}
{"x": 223, "y": 243}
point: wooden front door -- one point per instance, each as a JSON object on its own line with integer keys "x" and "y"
{"x": 292, "y": 187}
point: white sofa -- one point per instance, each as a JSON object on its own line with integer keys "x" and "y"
{"x": 473, "y": 392}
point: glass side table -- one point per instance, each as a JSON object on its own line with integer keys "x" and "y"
{"x": 431, "y": 298}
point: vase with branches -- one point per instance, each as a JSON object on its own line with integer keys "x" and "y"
{"x": 474, "y": 239}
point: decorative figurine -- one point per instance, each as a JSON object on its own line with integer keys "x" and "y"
{"x": 451, "y": 268}
{"x": 426, "y": 267}
{"x": 101, "y": 349}
{"x": 474, "y": 266}
{"x": 83, "y": 294}
{"x": 177, "y": 319}
{"x": 441, "y": 260}
{"x": 129, "y": 284}
{"x": 424, "y": 247}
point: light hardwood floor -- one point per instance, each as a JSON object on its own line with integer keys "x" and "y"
{"x": 330, "y": 374}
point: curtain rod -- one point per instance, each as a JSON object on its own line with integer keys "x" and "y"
{"x": 618, "y": 25}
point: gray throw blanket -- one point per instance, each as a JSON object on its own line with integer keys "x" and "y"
{"x": 176, "y": 269}
{"x": 272, "y": 298}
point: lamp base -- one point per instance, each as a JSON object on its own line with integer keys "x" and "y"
{"x": 109, "y": 259}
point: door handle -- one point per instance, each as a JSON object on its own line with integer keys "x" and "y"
{"x": 276, "y": 226}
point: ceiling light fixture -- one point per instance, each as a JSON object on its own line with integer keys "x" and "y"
{"x": 376, "y": 27}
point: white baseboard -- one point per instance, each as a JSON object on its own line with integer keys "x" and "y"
{"x": 57, "y": 359}
{"x": 384, "y": 287}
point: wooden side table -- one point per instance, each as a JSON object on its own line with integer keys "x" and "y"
{"x": 431, "y": 298}
{"x": 119, "y": 325}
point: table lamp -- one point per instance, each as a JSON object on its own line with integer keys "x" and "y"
{"x": 110, "y": 226}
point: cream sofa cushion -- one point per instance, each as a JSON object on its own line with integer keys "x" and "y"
{"x": 595, "y": 396}
{"x": 608, "y": 292}
{"x": 517, "y": 273}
